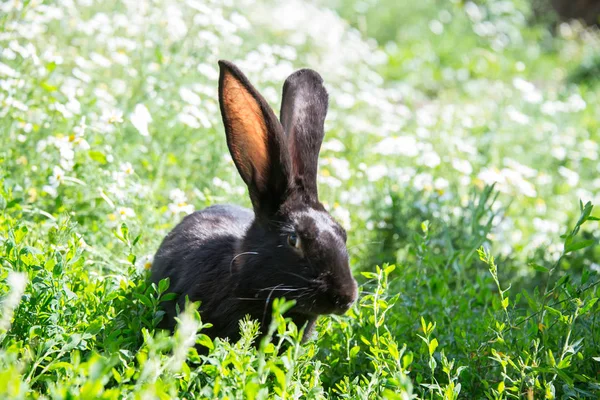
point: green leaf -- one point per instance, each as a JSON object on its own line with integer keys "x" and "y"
{"x": 144, "y": 299}
{"x": 538, "y": 267}
{"x": 578, "y": 245}
{"x": 131, "y": 258}
{"x": 432, "y": 346}
{"x": 98, "y": 156}
{"x": 163, "y": 285}
{"x": 501, "y": 387}
{"x": 205, "y": 341}
{"x": 588, "y": 305}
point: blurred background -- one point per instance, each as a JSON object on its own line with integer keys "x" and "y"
{"x": 110, "y": 115}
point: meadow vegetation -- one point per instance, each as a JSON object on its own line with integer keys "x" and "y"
{"x": 461, "y": 154}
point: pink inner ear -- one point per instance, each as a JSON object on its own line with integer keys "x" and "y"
{"x": 247, "y": 131}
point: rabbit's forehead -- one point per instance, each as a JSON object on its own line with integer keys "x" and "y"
{"x": 322, "y": 220}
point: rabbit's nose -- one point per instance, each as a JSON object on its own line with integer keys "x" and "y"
{"x": 344, "y": 297}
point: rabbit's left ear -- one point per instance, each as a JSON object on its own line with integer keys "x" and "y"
{"x": 303, "y": 111}
{"x": 255, "y": 139}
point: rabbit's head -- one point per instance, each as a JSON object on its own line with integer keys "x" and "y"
{"x": 294, "y": 248}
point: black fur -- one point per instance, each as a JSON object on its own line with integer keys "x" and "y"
{"x": 235, "y": 261}
{"x": 303, "y": 111}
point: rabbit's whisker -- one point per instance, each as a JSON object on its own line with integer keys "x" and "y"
{"x": 371, "y": 243}
{"x": 300, "y": 276}
{"x": 280, "y": 286}
{"x": 237, "y": 255}
{"x": 262, "y": 322}
{"x": 247, "y": 298}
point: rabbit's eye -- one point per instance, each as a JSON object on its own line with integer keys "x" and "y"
{"x": 293, "y": 240}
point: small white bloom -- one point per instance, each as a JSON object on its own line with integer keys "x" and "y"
{"x": 400, "y": 145}
{"x": 112, "y": 116}
{"x": 517, "y": 116}
{"x": 441, "y": 184}
{"x": 125, "y": 212}
{"x": 127, "y": 168}
{"x": 5, "y": 70}
{"x": 144, "y": 263}
{"x": 342, "y": 215}
{"x": 430, "y": 159}
{"x": 57, "y": 177}
{"x": 17, "y": 281}
{"x": 463, "y": 166}
{"x": 189, "y": 97}
{"x": 333, "y": 145}
{"x": 177, "y": 195}
{"x": 376, "y": 172}
{"x": 140, "y": 118}
{"x": 571, "y": 176}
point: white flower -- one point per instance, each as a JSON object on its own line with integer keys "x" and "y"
{"x": 179, "y": 204}
{"x": 144, "y": 263}
{"x": 399, "y": 145}
{"x": 127, "y": 168}
{"x": 177, "y": 195}
{"x": 112, "y": 116}
{"x": 140, "y": 118}
{"x": 376, "y": 172}
{"x": 340, "y": 167}
{"x": 342, "y": 215}
{"x": 441, "y": 184}
{"x": 333, "y": 145}
{"x": 189, "y": 97}
{"x": 125, "y": 212}
{"x": 530, "y": 93}
{"x": 430, "y": 159}
{"x": 517, "y": 116}
{"x": 463, "y": 166}
{"x": 8, "y": 71}
{"x": 571, "y": 176}
{"x": 57, "y": 177}
{"x": 17, "y": 281}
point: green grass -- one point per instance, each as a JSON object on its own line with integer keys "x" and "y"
{"x": 461, "y": 153}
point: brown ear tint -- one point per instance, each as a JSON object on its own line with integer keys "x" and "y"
{"x": 247, "y": 133}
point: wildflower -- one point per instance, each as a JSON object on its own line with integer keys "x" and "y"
{"x": 376, "y": 172}
{"x": 140, "y": 118}
{"x": 57, "y": 177}
{"x": 112, "y": 116}
{"x": 126, "y": 168}
{"x": 571, "y": 176}
{"x": 189, "y": 97}
{"x": 517, "y": 116}
{"x": 342, "y": 215}
{"x": 17, "y": 281}
{"x": 125, "y": 212}
{"x": 144, "y": 263}
{"x": 400, "y": 145}
{"x": 463, "y": 166}
{"x": 179, "y": 203}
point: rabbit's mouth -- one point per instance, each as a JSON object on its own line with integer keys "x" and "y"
{"x": 325, "y": 303}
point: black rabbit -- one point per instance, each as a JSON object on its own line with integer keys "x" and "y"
{"x": 235, "y": 261}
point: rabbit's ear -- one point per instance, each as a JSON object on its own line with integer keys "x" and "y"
{"x": 303, "y": 111}
{"x": 255, "y": 140}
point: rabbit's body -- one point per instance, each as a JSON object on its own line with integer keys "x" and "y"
{"x": 235, "y": 261}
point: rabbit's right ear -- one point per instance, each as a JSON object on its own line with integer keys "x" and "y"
{"x": 255, "y": 139}
{"x": 303, "y": 111}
